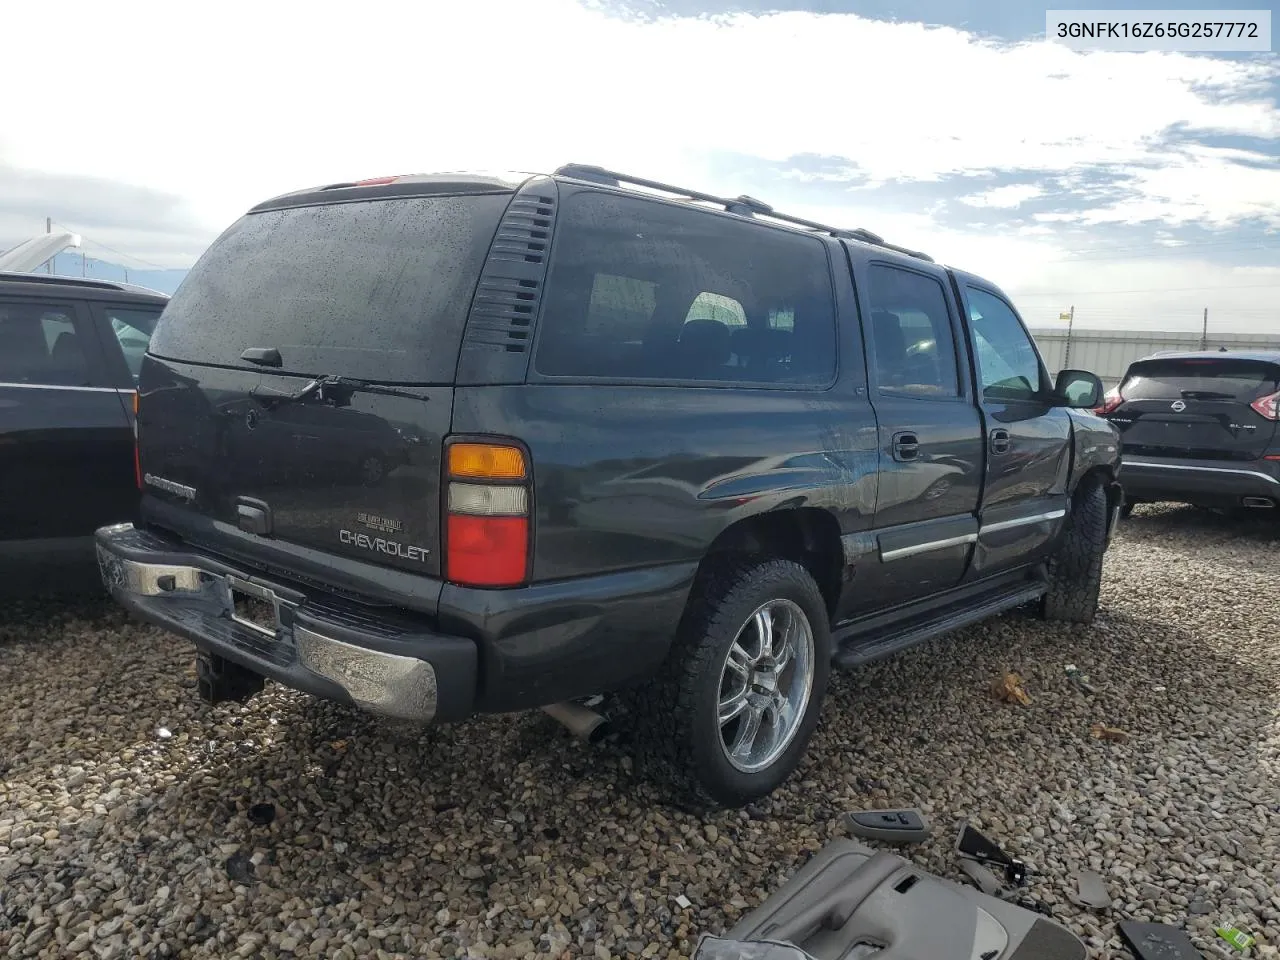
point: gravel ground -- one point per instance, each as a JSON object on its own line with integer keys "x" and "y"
{"x": 125, "y": 826}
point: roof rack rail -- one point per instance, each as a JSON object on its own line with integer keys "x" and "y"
{"x": 742, "y": 206}
{"x": 19, "y": 277}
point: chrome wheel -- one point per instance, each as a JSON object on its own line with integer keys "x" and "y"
{"x": 765, "y": 685}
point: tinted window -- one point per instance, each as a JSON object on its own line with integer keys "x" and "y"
{"x": 378, "y": 289}
{"x": 1008, "y": 366}
{"x": 41, "y": 345}
{"x": 915, "y": 353}
{"x": 132, "y": 327}
{"x": 645, "y": 290}
{"x": 1197, "y": 379}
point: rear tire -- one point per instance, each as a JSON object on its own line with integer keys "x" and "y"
{"x": 731, "y": 712}
{"x": 1075, "y": 570}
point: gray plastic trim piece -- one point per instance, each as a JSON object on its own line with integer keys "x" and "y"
{"x": 891, "y": 826}
{"x": 985, "y": 880}
{"x": 1093, "y": 891}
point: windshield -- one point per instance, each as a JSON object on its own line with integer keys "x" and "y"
{"x": 377, "y": 289}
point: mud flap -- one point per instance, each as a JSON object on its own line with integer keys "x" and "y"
{"x": 850, "y": 901}
{"x": 1115, "y": 504}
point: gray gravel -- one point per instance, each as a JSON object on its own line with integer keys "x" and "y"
{"x": 124, "y": 826}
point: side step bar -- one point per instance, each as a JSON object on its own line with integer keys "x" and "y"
{"x": 855, "y": 649}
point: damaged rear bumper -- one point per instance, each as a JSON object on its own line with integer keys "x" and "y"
{"x": 378, "y": 660}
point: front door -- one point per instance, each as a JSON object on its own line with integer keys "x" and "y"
{"x": 1028, "y": 437}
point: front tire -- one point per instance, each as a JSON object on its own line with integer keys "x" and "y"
{"x": 731, "y": 713}
{"x": 1075, "y": 569}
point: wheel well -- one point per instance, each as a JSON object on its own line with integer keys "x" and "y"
{"x": 1103, "y": 476}
{"x": 808, "y": 536}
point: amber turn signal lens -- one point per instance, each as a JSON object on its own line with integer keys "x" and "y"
{"x": 486, "y": 461}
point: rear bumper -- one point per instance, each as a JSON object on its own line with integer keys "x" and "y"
{"x": 1208, "y": 482}
{"x": 321, "y": 645}
{"x": 486, "y": 651}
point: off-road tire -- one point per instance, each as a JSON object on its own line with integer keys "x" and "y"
{"x": 676, "y": 725}
{"x": 1075, "y": 569}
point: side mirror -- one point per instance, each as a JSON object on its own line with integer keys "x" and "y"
{"x": 1079, "y": 388}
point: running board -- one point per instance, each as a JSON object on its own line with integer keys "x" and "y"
{"x": 856, "y": 650}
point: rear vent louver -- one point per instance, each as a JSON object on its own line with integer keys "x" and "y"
{"x": 510, "y": 289}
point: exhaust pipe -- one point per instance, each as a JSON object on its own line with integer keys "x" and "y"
{"x": 1259, "y": 503}
{"x": 583, "y": 722}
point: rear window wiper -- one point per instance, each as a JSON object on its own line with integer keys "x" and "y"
{"x": 1207, "y": 395}
{"x": 339, "y": 389}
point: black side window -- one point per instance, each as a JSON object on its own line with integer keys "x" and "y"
{"x": 1008, "y": 365}
{"x": 40, "y": 345}
{"x": 915, "y": 353}
{"x": 646, "y": 290}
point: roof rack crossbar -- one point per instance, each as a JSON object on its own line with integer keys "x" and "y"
{"x": 55, "y": 278}
{"x": 743, "y": 206}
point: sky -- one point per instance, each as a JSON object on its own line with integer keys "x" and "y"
{"x": 1137, "y": 188}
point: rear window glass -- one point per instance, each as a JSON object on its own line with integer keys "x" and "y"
{"x": 648, "y": 291}
{"x": 377, "y": 289}
{"x": 1200, "y": 379}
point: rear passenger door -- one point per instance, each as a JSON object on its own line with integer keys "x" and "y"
{"x": 930, "y": 432}
{"x": 60, "y": 424}
{"x": 1028, "y": 436}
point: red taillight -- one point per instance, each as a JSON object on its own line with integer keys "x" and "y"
{"x": 137, "y": 454}
{"x": 487, "y": 502}
{"x": 1268, "y": 406}
{"x": 375, "y": 181}
{"x": 487, "y": 551}
{"x": 1110, "y": 400}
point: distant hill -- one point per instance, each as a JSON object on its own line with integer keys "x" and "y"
{"x": 70, "y": 264}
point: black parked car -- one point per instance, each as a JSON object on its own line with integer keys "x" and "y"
{"x": 1200, "y": 428}
{"x": 70, "y": 351}
{"x": 639, "y": 440}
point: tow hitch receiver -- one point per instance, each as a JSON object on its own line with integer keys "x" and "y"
{"x": 219, "y": 679}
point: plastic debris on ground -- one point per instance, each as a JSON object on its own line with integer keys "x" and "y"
{"x": 1158, "y": 941}
{"x": 890, "y": 826}
{"x": 1091, "y": 891}
{"x": 1235, "y": 936}
{"x": 982, "y": 878}
{"x": 1010, "y": 688}
{"x": 972, "y": 845}
{"x": 1081, "y": 680}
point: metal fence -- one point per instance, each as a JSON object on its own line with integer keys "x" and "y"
{"x": 1108, "y": 353}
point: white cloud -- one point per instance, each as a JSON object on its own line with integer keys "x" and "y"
{"x": 1007, "y": 197}
{"x": 244, "y": 100}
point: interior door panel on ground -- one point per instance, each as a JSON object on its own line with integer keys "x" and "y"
{"x": 1028, "y": 436}
{"x": 64, "y": 433}
{"x": 931, "y": 455}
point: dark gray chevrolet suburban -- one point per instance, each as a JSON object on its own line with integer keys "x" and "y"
{"x": 452, "y": 444}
